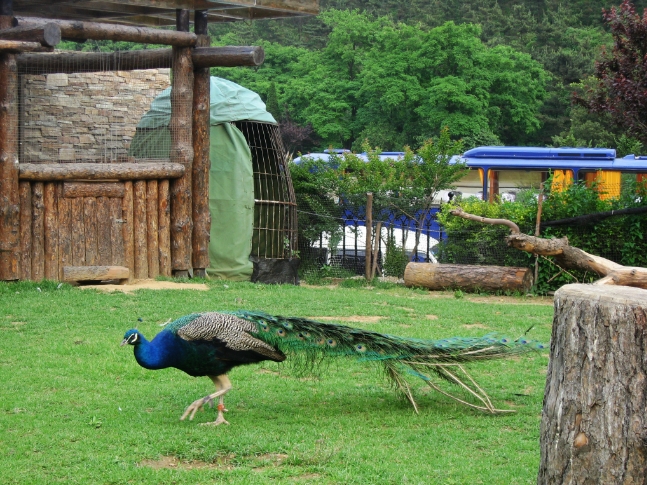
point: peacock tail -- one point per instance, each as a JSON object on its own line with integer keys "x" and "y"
{"x": 311, "y": 341}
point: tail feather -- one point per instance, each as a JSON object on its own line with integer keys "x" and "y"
{"x": 400, "y": 356}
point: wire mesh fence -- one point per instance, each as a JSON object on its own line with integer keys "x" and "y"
{"x": 332, "y": 240}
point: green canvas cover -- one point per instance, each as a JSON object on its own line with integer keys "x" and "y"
{"x": 231, "y": 182}
{"x": 229, "y": 102}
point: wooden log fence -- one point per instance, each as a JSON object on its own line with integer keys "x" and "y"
{"x": 47, "y": 34}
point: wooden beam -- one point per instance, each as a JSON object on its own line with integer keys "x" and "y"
{"x": 181, "y": 152}
{"x": 9, "y": 189}
{"x": 80, "y": 31}
{"x": 100, "y": 171}
{"x": 201, "y": 57}
{"x": 93, "y": 189}
{"x": 201, "y": 161}
{"x": 47, "y": 34}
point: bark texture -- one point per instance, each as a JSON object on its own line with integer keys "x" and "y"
{"x": 594, "y": 419}
{"x": 467, "y": 277}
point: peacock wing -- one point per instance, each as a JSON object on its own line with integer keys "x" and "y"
{"x": 234, "y": 332}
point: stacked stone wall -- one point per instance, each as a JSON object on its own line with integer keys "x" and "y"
{"x": 84, "y": 117}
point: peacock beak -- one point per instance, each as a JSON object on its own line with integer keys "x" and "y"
{"x": 123, "y": 342}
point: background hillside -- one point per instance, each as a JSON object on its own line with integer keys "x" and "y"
{"x": 562, "y": 38}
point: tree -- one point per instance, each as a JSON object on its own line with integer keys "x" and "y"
{"x": 621, "y": 90}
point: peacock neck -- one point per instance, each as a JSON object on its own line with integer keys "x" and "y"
{"x": 155, "y": 354}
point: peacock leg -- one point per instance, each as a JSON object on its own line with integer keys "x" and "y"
{"x": 223, "y": 386}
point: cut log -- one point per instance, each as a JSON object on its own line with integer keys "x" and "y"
{"x": 80, "y": 31}
{"x": 47, "y": 34}
{"x": 594, "y": 424}
{"x": 202, "y": 57}
{"x": 139, "y": 227}
{"x": 16, "y": 46}
{"x": 25, "y": 230}
{"x": 50, "y": 231}
{"x": 164, "y": 227}
{"x": 467, "y": 277}
{"x": 128, "y": 228}
{"x": 99, "y": 171}
{"x": 38, "y": 232}
{"x": 95, "y": 273}
{"x": 93, "y": 189}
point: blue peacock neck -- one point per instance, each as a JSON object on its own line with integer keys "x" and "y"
{"x": 155, "y": 354}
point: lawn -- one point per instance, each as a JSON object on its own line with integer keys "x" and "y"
{"x": 76, "y": 407}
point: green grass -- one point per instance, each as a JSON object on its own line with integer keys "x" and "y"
{"x": 76, "y": 408}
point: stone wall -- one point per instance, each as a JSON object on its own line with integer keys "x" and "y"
{"x": 84, "y": 117}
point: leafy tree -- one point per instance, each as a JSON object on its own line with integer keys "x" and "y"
{"x": 621, "y": 90}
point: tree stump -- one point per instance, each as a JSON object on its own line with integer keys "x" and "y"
{"x": 467, "y": 277}
{"x": 594, "y": 419}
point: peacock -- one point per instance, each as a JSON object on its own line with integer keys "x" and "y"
{"x": 212, "y": 343}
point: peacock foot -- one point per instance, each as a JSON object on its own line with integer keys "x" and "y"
{"x": 195, "y": 406}
{"x": 219, "y": 420}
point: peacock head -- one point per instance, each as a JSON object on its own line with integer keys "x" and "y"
{"x": 132, "y": 337}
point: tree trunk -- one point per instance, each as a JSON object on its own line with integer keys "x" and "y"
{"x": 467, "y": 277}
{"x": 594, "y": 420}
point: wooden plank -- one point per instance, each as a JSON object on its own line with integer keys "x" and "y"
{"x": 152, "y": 231}
{"x": 128, "y": 228}
{"x": 9, "y": 191}
{"x": 95, "y": 273}
{"x": 91, "y": 231}
{"x": 64, "y": 233}
{"x": 25, "y": 230}
{"x": 164, "y": 228}
{"x": 37, "y": 232}
{"x": 50, "y": 231}
{"x": 182, "y": 153}
{"x": 201, "y": 214}
{"x": 93, "y": 189}
{"x": 468, "y": 277}
{"x": 47, "y": 34}
{"x": 116, "y": 233}
{"x": 80, "y": 31}
{"x": 139, "y": 226}
{"x": 103, "y": 231}
{"x": 100, "y": 171}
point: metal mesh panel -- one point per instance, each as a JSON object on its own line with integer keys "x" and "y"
{"x": 275, "y": 220}
{"x": 71, "y": 113}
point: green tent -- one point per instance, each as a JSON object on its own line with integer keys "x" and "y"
{"x": 231, "y": 181}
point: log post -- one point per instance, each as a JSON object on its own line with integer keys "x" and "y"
{"x": 25, "y": 230}
{"x": 594, "y": 424}
{"x": 201, "y": 162}
{"x": 128, "y": 228}
{"x": 38, "y": 232}
{"x": 164, "y": 227}
{"x": 467, "y": 277}
{"x": 181, "y": 152}
{"x": 369, "y": 226}
{"x": 152, "y": 229}
{"x": 9, "y": 191}
{"x": 139, "y": 227}
{"x": 50, "y": 231}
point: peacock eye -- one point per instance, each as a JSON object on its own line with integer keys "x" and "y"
{"x": 133, "y": 338}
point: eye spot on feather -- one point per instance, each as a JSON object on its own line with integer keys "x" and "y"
{"x": 287, "y": 325}
{"x": 280, "y": 332}
{"x": 321, "y": 341}
{"x": 504, "y": 340}
{"x": 331, "y": 343}
{"x": 360, "y": 348}
{"x": 264, "y": 327}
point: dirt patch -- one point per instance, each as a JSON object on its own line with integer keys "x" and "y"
{"x": 148, "y": 285}
{"x": 475, "y": 325}
{"x": 173, "y": 463}
{"x": 511, "y": 300}
{"x": 352, "y": 318}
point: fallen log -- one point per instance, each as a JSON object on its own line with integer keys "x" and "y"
{"x": 468, "y": 277}
{"x": 567, "y": 256}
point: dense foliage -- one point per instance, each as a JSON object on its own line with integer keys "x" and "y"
{"x": 564, "y": 38}
{"x": 621, "y": 88}
{"x": 393, "y": 84}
